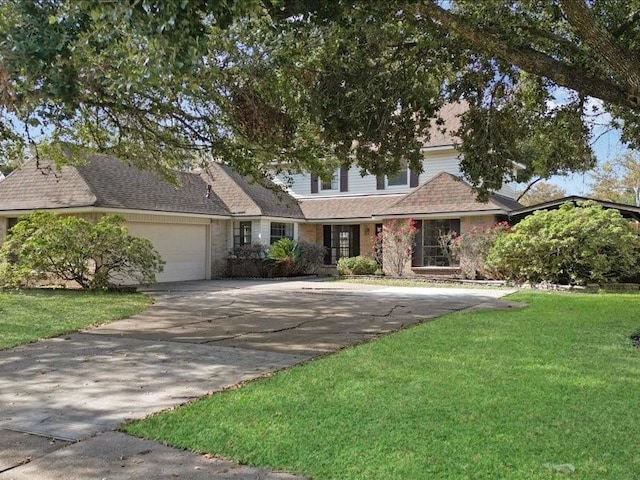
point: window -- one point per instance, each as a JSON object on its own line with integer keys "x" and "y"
{"x": 331, "y": 184}
{"x": 341, "y": 241}
{"x": 430, "y": 244}
{"x": 401, "y": 178}
{"x": 281, "y": 230}
{"x": 241, "y": 234}
{"x": 11, "y": 222}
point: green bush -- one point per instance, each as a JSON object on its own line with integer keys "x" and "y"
{"x": 359, "y": 265}
{"x": 289, "y": 258}
{"x": 311, "y": 258}
{"x": 48, "y": 246}
{"x": 572, "y": 245}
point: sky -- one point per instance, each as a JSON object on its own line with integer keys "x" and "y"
{"x": 607, "y": 147}
{"x": 606, "y": 143}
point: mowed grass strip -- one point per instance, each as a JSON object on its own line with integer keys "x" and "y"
{"x": 527, "y": 394}
{"x": 30, "y": 315}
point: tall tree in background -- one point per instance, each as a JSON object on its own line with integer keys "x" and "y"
{"x": 541, "y": 192}
{"x": 307, "y": 84}
{"x": 618, "y": 180}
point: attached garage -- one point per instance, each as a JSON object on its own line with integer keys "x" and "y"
{"x": 182, "y": 246}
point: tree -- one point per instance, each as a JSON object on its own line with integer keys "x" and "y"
{"x": 311, "y": 84}
{"x": 541, "y": 192}
{"x": 96, "y": 255}
{"x": 570, "y": 245}
{"x": 618, "y": 180}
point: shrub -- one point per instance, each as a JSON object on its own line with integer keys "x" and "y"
{"x": 571, "y": 245}
{"x": 395, "y": 245}
{"x": 253, "y": 251}
{"x": 94, "y": 255}
{"x": 283, "y": 256}
{"x": 472, "y": 248}
{"x": 357, "y": 266}
{"x": 311, "y": 258}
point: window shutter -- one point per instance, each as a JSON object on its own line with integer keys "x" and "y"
{"x": 344, "y": 178}
{"x": 314, "y": 183}
{"x": 326, "y": 237}
{"x": 414, "y": 178}
{"x": 380, "y": 182}
{"x": 355, "y": 233}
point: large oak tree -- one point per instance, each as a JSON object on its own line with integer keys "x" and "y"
{"x": 301, "y": 84}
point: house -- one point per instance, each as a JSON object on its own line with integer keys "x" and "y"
{"x": 195, "y": 223}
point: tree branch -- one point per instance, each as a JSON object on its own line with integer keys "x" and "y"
{"x": 604, "y": 45}
{"x": 526, "y": 190}
{"x": 579, "y": 79}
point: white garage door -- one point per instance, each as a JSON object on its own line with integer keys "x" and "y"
{"x": 182, "y": 247}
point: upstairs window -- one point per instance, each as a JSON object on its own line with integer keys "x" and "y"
{"x": 401, "y": 178}
{"x": 331, "y": 184}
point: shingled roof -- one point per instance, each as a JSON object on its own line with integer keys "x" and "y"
{"x": 441, "y": 135}
{"x": 246, "y": 198}
{"x": 341, "y": 208}
{"x": 105, "y": 182}
{"x": 446, "y": 193}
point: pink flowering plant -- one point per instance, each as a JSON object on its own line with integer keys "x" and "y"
{"x": 394, "y": 245}
{"x": 471, "y": 248}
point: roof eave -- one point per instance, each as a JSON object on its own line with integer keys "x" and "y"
{"x": 106, "y": 210}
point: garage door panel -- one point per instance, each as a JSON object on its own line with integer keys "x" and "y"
{"x": 182, "y": 247}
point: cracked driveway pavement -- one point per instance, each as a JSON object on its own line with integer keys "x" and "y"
{"x": 199, "y": 337}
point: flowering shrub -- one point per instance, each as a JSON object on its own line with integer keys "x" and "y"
{"x": 471, "y": 250}
{"x": 394, "y": 245}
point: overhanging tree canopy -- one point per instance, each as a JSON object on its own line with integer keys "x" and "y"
{"x": 306, "y": 84}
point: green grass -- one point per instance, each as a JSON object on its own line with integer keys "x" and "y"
{"x": 509, "y": 394}
{"x": 29, "y": 315}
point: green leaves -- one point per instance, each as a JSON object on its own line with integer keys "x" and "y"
{"x": 97, "y": 256}
{"x": 305, "y": 85}
{"x": 572, "y": 245}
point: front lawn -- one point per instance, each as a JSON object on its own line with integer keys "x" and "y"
{"x": 547, "y": 392}
{"x": 29, "y": 315}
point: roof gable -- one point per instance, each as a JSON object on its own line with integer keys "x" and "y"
{"x": 244, "y": 197}
{"x": 446, "y": 193}
{"x": 33, "y": 187}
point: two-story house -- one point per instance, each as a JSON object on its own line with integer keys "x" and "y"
{"x": 196, "y": 224}
{"x": 345, "y": 213}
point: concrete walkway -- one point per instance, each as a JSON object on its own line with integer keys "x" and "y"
{"x": 61, "y": 400}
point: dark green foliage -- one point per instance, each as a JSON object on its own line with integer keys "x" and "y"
{"x": 284, "y": 258}
{"x": 359, "y": 265}
{"x": 572, "y": 245}
{"x": 314, "y": 84}
{"x": 97, "y": 256}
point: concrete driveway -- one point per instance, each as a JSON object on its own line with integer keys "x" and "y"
{"x": 62, "y": 399}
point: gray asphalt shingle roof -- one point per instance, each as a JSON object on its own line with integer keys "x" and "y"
{"x": 105, "y": 182}
{"x": 446, "y": 193}
{"x": 247, "y": 198}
